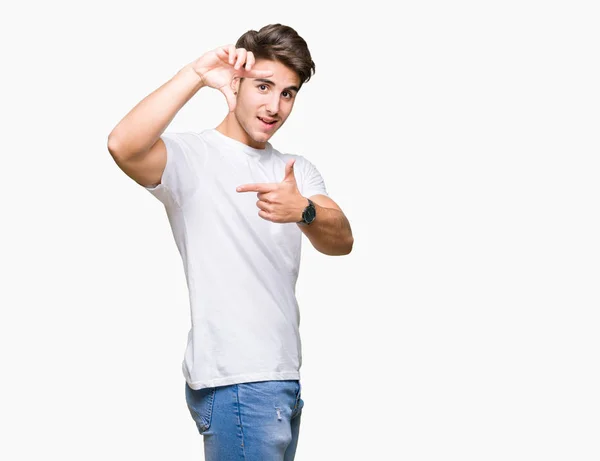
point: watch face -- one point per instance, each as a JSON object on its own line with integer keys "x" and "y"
{"x": 310, "y": 214}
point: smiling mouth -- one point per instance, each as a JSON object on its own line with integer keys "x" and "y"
{"x": 268, "y": 123}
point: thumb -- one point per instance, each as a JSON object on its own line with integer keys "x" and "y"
{"x": 289, "y": 171}
{"x": 230, "y": 96}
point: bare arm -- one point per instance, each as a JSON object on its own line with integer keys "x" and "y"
{"x": 330, "y": 233}
{"x": 139, "y": 130}
{"x": 135, "y": 142}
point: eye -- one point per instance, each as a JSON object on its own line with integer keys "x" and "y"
{"x": 289, "y": 95}
{"x": 260, "y": 86}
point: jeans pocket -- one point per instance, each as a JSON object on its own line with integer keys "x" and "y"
{"x": 200, "y": 404}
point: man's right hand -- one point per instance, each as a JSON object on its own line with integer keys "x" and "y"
{"x": 218, "y": 67}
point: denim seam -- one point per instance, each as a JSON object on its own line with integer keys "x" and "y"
{"x": 295, "y": 411}
{"x": 211, "y": 401}
{"x": 237, "y": 392}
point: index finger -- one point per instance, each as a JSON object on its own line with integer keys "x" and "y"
{"x": 255, "y": 73}
{"x": 264, "y": 187}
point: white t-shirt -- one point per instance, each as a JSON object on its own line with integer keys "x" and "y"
{"x": 241, "y": 269}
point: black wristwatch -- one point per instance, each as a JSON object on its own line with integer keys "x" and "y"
{"x": 309, "y": 214}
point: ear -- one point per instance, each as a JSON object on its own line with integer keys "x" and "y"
{"x": 235, "y": 84}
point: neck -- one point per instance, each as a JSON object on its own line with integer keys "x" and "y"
{"x": 230, "y": 127}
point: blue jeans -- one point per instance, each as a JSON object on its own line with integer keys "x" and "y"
{"x": 257, "y": 421}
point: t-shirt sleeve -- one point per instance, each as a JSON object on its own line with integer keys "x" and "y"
{"x": 312, "y": 183}
{"x": 185, "y": 153}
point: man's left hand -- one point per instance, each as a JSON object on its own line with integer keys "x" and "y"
{"x": 279, "y": 202}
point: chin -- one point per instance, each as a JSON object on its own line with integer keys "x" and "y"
{"x": 259, "y": 136}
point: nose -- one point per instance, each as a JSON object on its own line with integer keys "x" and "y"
{"x": 273, "y": 105}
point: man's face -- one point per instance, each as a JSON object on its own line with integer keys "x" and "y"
{"x": 260, "y": 101}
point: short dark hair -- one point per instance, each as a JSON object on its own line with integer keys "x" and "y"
{"x": 277, "y": 42}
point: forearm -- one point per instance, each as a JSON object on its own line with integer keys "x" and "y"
{"x": 142, "y": 126}
{"x": 330, "y": 232}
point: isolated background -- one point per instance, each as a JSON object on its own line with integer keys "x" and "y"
{"x": 461, "y": 140}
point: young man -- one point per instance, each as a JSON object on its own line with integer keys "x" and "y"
{"x": 241, "y": 256}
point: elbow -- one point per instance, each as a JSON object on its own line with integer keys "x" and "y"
{"x": 119, "y": 151}
{"x": 339, "y": 250}
{"x": 345, "y": 249}
{"x": 348, "y": 247}
{"x": 112, "y": 145}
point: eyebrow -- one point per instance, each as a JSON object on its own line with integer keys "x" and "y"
{"x": 264, "y": 80}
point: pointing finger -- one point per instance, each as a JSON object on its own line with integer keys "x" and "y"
{"x": 256, "y": 188}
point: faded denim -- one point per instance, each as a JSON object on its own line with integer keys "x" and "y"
{"x": 258, "y": 421}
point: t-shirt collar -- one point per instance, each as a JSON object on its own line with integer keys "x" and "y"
{"x": 258, "y": 154}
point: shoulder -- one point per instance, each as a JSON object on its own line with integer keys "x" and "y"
{"x": 186, "y": 137}
{"x": 301, "y": 164}
{"x": 187, "y": 141}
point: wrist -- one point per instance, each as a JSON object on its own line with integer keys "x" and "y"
{"x": 308, "y": 213}
{"x": 302, "y": 204}
{"x": 189, "y": 75}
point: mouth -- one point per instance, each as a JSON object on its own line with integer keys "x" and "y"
{"x": 267, "y": 123}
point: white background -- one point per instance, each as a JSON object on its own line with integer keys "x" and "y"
{"x": 460, "y": 139}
